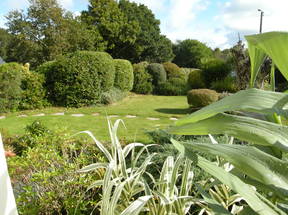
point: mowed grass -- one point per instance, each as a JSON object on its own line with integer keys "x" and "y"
{"x": 141, "y": 106}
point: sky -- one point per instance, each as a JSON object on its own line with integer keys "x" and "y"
{"x": 214, "y": 22}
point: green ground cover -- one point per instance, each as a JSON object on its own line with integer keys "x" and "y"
{"x": 141, "y": 106}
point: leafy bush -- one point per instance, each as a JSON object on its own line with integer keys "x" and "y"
{"x": 113, "y": 95}
{"x": 228, "y": 84}
{"x": 10, "y": 86}
{"x": 201, "y": 97}
{"x": 142, "y": 79}
{"x": 214, "y": 70}
{"x": 123, "y": 75}
{"x": 157, "y": 72}
{"x": 80, "y": 78}
{"x": 172, "y": 70}
{"x": 172, "y": 87}
{"x": 196, "y": 79}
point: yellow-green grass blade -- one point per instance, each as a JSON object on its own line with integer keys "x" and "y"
{"x": 244, "y": 128}
{"x": 251, "y": 100}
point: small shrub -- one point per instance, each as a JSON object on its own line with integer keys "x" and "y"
{"x": 228, "y": 84}
{"x": 157, "y": 72}
{"x": 142, "y": 79}
{"x": 172, "y": 70}
{"x": 214, "y": 70}
{"x": 172, "y": 87}
{"x": 80, "y": 78}
{"x": 10, "y": 86}
{"x": 196, "y": 79}
{"x": 201, "y": 97}
{"x": 123, "y": 75}
{"x": 113, "y": 95}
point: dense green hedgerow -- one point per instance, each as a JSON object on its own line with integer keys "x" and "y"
{"x": 196, "y": 79}
{"x": 157, "y": 72}
{"x": 123, "y": 75}
{"x": 201, "y": 97}
{"x": 226, "y": 85}
{"x": 172, "y": 87}
{"x": 10, "y": 86}
{"x": 142, "y": 79}
{"x": 173, "y": 71}
{"x": 113, "y": 95}
{"x": 80, "y": 78}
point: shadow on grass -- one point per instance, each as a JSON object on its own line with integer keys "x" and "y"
{"x": 175, "y": 110}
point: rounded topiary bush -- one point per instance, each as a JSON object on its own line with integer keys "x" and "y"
{"x": 196, "y": 79}
{"x": 214, "y": 70}
{"x": 123, "y": 75}
{"x": 10, "y": 86}
{"x": 142, "y": 79}
{"x": 80, "y": 78}
{"x": 157, "y": 72}
{"x": 172, "y": 70}
{"x": 201, "y": 97}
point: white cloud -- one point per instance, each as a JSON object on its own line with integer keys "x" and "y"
{"x": 17, "y": 4}
{"x": 67, "y": 4}
{"x": 154, "y": 5}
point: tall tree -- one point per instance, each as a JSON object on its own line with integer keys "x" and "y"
{"x": 5, "y": 38}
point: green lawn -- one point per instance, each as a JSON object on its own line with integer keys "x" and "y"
{"x": 142, "y": 106}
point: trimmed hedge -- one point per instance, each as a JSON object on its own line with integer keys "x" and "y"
{"x": 10, "y": 86}
{"x": 123, "y": 75}
{"x": 157, "y": 72}
{"x": 226, "y": 85}
{"x": 142, "y": 79}
{"x": 196, "y": 79}
{"x": 79, "y": 79}
{"x": 173, "y": 71}
{"x": 201, "y": 97}
{"x": 172, "y": 87}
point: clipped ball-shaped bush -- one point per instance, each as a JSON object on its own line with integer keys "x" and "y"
{"x": 172, "y": 70}
{"x": 214, "y": 70}
{"x": 158, "y": 73}
{"x": 123, "y": 75}
{"x": 142, "y": 79}
{"x": 196, "y": 79}
{"x": 201, "y": 97}
{"x": 10, "y": 86}
{"x": 172, "y": 87}
{"x": 79, "y": 79}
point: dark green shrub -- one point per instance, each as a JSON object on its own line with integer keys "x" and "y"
{"x": 142, "y": 79}
{"x": 214, "y": 70}
{"x": 226, "y": 85}
{"x": 113, "y": 95}
{"x": 33, "y": 95}
{"x": 79, "y": 79}
{"x": 157, "y": 72}
{"x": 196, "y": 79}
{"x": 123, "y": 75}
{"x": 172, "y": 87}
{"x": 173, "y": 71}
{"x": 201, "y": 97}
{"x": 10, "y": 86}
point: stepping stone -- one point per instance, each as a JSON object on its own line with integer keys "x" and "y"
{"x": 57, "y": 114}
{"x": 77, "y": 114}
{"x": 151, "y": 118}
{"x": 173, "y": 118}
{"x": 130, "y": 116}
{"x": 23, "y": 115}
{"x": 2, "y": 117}
{"x": 95, "y": 114}
{"x": 113, "y": 116}
{"x": 39, "y": 114}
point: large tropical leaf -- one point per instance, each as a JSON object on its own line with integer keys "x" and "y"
{"x": 273, "y": 44}
{"x": 245, "y": 190}
{"x": 251, "y": 100}
{"x": 252, "y": 162}
{"x": 244, "y": 128}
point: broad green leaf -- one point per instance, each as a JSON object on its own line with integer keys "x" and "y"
{"x": 251, "y": 161}
{"x": 244, "y": 128}
{"x": 136, "y": 206}
{"x": 238, "y": 186}
{"x": 273, "y": 44}
{"x": 251, "y": 100}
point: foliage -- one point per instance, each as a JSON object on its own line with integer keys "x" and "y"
{"x": 196, "y": 79}
{"x": 10, "y": 86}
{"x": 157, "y": 73}
{"x": 124, "y": 77}
{"x": 5, "y": 38}
{"x": 214, "y": 70}
{"x": 112, "y": 95}
{"x": 201, "y": 97}
{"x": 189, "y": 53}
{"x": 226, "y": 85}
{"x": 172, "y": 87}
{"x": 142, "y": 79}
{"x": 80, "y": 78}
{"x": 173, "y": 71}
